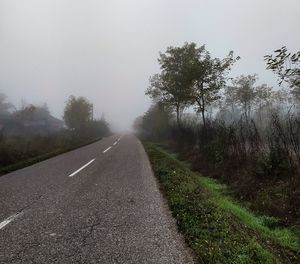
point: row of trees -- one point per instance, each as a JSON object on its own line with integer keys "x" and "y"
{"x": 190, "y": 77}
{"x": 78, "y": 116}
{"x": 248, "y": 134}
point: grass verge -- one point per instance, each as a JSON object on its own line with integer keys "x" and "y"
{"x": 216, "y": 227}
{"x": 31, "y": 161}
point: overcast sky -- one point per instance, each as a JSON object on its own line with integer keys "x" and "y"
{"x": 106, "y": 50}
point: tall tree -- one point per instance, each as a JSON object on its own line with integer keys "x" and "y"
{"x": 78, "y": 112}
{"x": 173, "y": 85}
{"x": 189, "y": 76}
{"x": 209, "y": 77}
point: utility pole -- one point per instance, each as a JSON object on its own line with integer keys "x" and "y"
{"x": 92, "y": 112}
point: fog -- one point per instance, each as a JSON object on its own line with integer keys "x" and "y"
{"x": 106, "y": 50}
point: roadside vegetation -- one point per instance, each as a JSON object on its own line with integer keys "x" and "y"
{"x": 215, "y": 226}
{"x": 31, "y": 134}
{"x": 244, "y": 134}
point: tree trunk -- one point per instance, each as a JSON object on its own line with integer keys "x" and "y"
{"x": 178, "y": 116}
{"x": 203, "y": 117}
{"x": 203, "y": 108}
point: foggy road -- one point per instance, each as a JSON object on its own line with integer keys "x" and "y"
{"x": 96, "y": 204}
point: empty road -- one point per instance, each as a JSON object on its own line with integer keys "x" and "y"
{"x": 96, "y": 204}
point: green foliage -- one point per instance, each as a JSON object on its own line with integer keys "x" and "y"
{"x": 269, "y": 221}
{"x": 215, "y": 150}
{"x": 277, "y": 163}
{"x": 97, "y": 128}
{"x": 173, "y": 85}
{"x": 215, "y": 226}
{"x": 155, "y": 123}
{"x": 77, "y": 113}
{"x": 209, "y": 78}
{"x": 287, "y": 67}
{"x": 266, "y": 225}
{"x": 189, "y": 76}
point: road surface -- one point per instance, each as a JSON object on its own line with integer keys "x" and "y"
{"x": 96, "y": 204}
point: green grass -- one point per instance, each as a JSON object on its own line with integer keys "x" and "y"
{"x": 263, "y": 224}
{"x": 216, "y": 227}
{"x": 31, "y": 161}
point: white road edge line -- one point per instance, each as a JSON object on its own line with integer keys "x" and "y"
{"x": 10, "y": 219}
{"x": 84, "y": 166}
{"x": 107, "y": 149}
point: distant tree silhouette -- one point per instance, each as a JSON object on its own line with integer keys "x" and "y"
{"x": 77, "y": 113}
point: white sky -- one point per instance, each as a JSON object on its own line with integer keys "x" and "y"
{"x": 106, "y": 50}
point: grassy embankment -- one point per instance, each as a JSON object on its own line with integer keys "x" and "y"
{"x": 215, "y": 226}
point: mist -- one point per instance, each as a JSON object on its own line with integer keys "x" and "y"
{"x": 106, "y": 50}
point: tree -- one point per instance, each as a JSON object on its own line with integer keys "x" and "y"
{"x": 77, "y": 113}
{"x": 189, "y": 76}
{"x": 287, "y": 67}
{"x": 243, "y": 93}
{"x": 265, "y": 97}
{"x": 155, "y": 122}
{"x": 97, "y": 128}
{"x": 246, "y": 95}
{"x": 209, "y": 78}
{"x": 173, "y": 85}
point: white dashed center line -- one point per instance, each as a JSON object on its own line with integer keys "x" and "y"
{"x": 107, "y": 149}
{"x": 9, "y": 219}
{"x": 115, "y": 143}
{"x": 84, "y": 166}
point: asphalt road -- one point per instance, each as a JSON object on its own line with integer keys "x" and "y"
{"x": 97, "y": 204}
